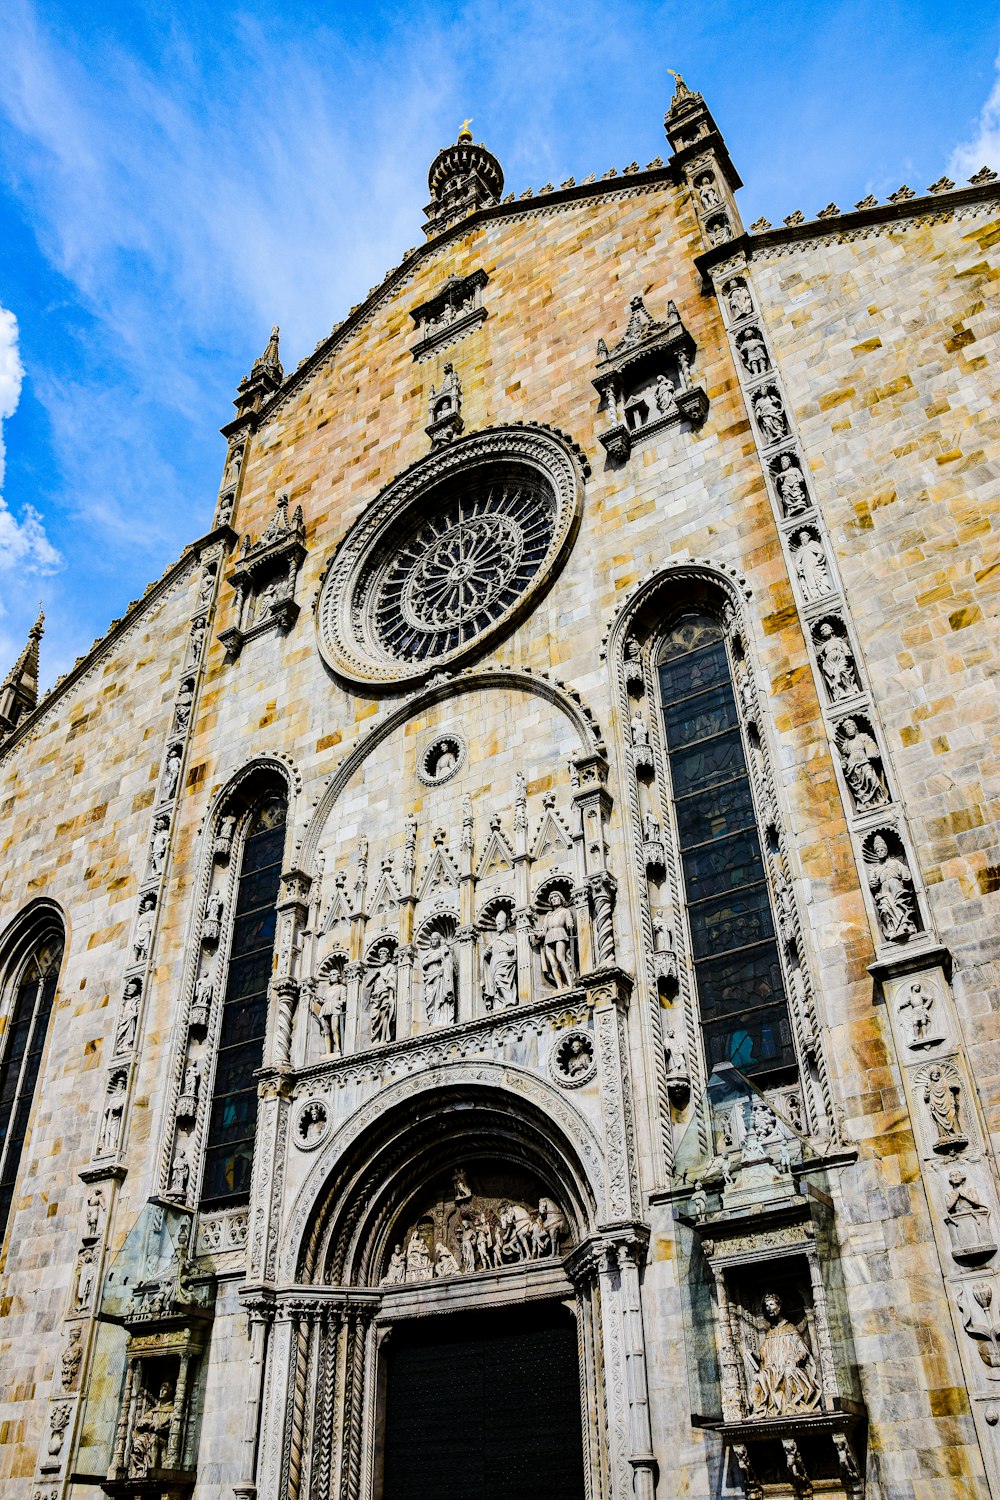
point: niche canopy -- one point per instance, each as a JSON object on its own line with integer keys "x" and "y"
{"x": 449, "y": 556}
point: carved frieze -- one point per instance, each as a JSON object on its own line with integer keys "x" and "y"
{"x": 450, "y": 314}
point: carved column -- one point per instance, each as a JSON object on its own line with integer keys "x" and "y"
{"x": 615, "y": 1374}
{"x": 468, "y": 979}
{"x": 270, "y": 1464}
{"x": 354, "y": 1036}
{"x": 641, "y": 1457}
{"x": 259, "y": 1314}
{"x": 405, "y": 959}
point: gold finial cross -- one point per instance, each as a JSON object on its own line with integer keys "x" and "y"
{"x": 465, "y": 131}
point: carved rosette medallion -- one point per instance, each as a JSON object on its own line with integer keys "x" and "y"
{"x": 449, "y": 555}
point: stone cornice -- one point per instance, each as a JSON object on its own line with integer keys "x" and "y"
{"x": 853, "y": 224}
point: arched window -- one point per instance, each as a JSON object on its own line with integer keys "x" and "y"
{"x": 21, "y": 1056}
{"x": 738, "y": 974}
{"x": 233, "y": 1118}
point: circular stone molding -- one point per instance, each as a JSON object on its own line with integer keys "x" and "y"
{"x": 449, "y": 555}
{"x": 311, "y": 1124}
{"x": 441, "y": 759}
{"x": 573, "y": 1058}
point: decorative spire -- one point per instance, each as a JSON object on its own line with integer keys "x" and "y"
{"x": 681, "y": 90}
{"x": 19, "y": 689}
{"x": 462, "y": 179}
{"x": 265, "y": 378}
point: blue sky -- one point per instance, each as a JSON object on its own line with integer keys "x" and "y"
{"x": 176, "y": 177}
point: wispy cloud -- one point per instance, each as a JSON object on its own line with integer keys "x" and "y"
{"x": 24, "y": 546}
{"x": 983, "y": 148}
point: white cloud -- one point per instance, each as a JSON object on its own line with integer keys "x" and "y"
{"x": 983, "y": 149}
{"x": 23, "y": 543}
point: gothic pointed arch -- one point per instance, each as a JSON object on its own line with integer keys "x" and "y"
{"x": 31, "y": 953}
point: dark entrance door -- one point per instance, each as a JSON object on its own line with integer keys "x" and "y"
{"x": 484, "y": 1406}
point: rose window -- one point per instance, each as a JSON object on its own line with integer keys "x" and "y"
{"x": 417, "y": 584}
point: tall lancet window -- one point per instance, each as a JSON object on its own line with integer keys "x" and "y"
{"x": 229, "y": 1152}
{"x": 20, "y": 1058}
{"x": 741, "y": 992}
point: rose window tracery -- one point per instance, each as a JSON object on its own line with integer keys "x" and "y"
{"x": 448, "y": 555}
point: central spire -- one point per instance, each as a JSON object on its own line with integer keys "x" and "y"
{"x": 463, "y": 178}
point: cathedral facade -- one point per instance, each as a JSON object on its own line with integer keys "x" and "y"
{"x": 498, "y": 945}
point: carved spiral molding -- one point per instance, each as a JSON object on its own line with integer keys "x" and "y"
{"x": 449, "y": 555}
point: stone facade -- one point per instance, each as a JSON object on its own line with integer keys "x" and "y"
{"x": 433, "y": 616}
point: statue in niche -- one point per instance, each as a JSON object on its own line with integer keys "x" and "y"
{"x": 381, "y": 987}
{"x": 331, "y": 1011}
{"x": 942, "y": 1095}
{"x": 791, "y": 485}
{"x": 968, "y": 1220}
{"x": 214, "y": 908}
{"x": 445, "y": 1263}
{"x": 739, "y": 299}
{"x": 180, "y": 1173}
{"x": 171, "y": 773}
{"x": 915, "y": 1011}
{"x": 158, "y": 846}
{"x": 447, "y": 759}
{"x": 718, "y": 230}
{"x": 708, "y": 193}
{"x": 558, "y": 930}
{"x": 892, "y": 887}
{"x": 811, "y": 567}
{"x": 664, "y": 393}
{"x": 192, "y": 1078}
{"x": 770, "y": 414}
{"x": 577, "y": 1057}
{"x": 72, "y": 1355}
{"x": 460, "y": 1185}
{"x": 312, "y": 1121}
{"x": 207, "y": 585}
{"x": 860, "y": 759}
{"x": 111, "y": 1123}
{"x": 652, "y": 833}
{"x": 437, "y": 968}
{"x": 185, "y": 699}
{"x": 396, "y": 1273}
{"x": 201, "y": 1005}
{"x": 836, "y": 663}
{"x": 86, "y": 1275}
{"x": 640, "y": 733}
{"x": 753, "y": 352}
{"x": 675, "y": 1057}
{"x": 500, "y": 954}
{"x": 195, "y": 640}
{"x": 152, "y": 1426}
{"x": 785, "y": 1381}
{"x": 92, "y": 1218}
{"x": 984, "y": 1330}
{"x": 144, "y": 928}
{"x": 233, "y": 462}
{"x": 128, "y": 1020}
{"x": 418, "y": 1261}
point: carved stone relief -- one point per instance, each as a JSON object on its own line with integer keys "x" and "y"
{"x": 918, "y": 1006}
{"x": 861, "y": 763}
{"x": 769, "y": 413}
{"x": 784, "y": 1381}
{"x": 442, "y": 759}
{"x": 790, "y": 485}
{"x": 556, "y": 935}
{"x": 969, "y": 1219}
{"x": 444, "y": 407}
{"x": 940, "y": 1088}
{"x": 452, "y": 312}
{"x": 811, "y": 568}
{"x": 836, "y": 659}
{"x": 572, "y": 1059}
{"x": 891, "y": 885}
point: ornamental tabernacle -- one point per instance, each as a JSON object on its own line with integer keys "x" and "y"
{"x": 495, "y": 945}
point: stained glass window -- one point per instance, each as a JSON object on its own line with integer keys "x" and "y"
{"x": 20, "y": 1060}
{"x": 738, "y": 974}
{"x": 229, "y": 1152}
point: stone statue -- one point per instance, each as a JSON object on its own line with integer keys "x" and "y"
{"x": 739, "y": 299}
{"x": 942, "y": 1095}
{"x": 675, "y": 1057}
{"x": 203, "y": 992}
{"x": 445, "y": 1264}
{"x": 396, "y": 1271}
{"x": 111, "y": 1124}
{"x": 718, "y": 230}
{"x": 859, "y": 757}
{"x": 770, "y": 415}
{"x": 810, "y": 566}
{"x": 185, "y": 698}
{"x": 152, "y": 1425}
{"x": 555, "y": 1222}
{"x": 707, "y": 191}
{"x": 418, "y": 1260}
{"x": 214, "y": 908}
{"x": 576, "y": 1057}
{"x": 892, "y": 887}
{"x": 836, "y": 663}
{"x": 968, "y": 1220}
{"x": 640, "y": 733}
{"x": 72, "y": 1355}
{"x": 92, "y": 1218}
{"x": 500, "y": 954}
{"x": 557, "y": 934}
{"x": 331, "y": 1012}
{"x": 144, "y": 928}
{"x": 381, "y": 986}
{"x": 652, "y": 833}
{"x": 468, "y": 1246}
{"x": 158, "y": 847}
{"x": 460, "y": 1185}
{"x": 448, "y": 397}
{"x": 58, "y": 1422}
{"x": 86, "y": 1275}
{"x": 753, "y": 352}
{"x": 195, "y": 640}
{"x": 447, "y": 759}
{"x": 192, "y": 1078}
{"x": 180, "y": 1172}
{"x": 207, "y": 585}
{"x": 664, "y": 393}
{"x": 915, "y": 1013}
{"x": 437, "y": 968}
{"x": 791, "y": 486}
{"x": 171, "y": 773}
{"x": 785, "y": 1382}
{"x": 129, "y": 1017}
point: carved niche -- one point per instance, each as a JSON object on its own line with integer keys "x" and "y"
{"x": 264, "y": 579}
{"x": 644, "y": 380}
{"x": 451, "y": 313}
